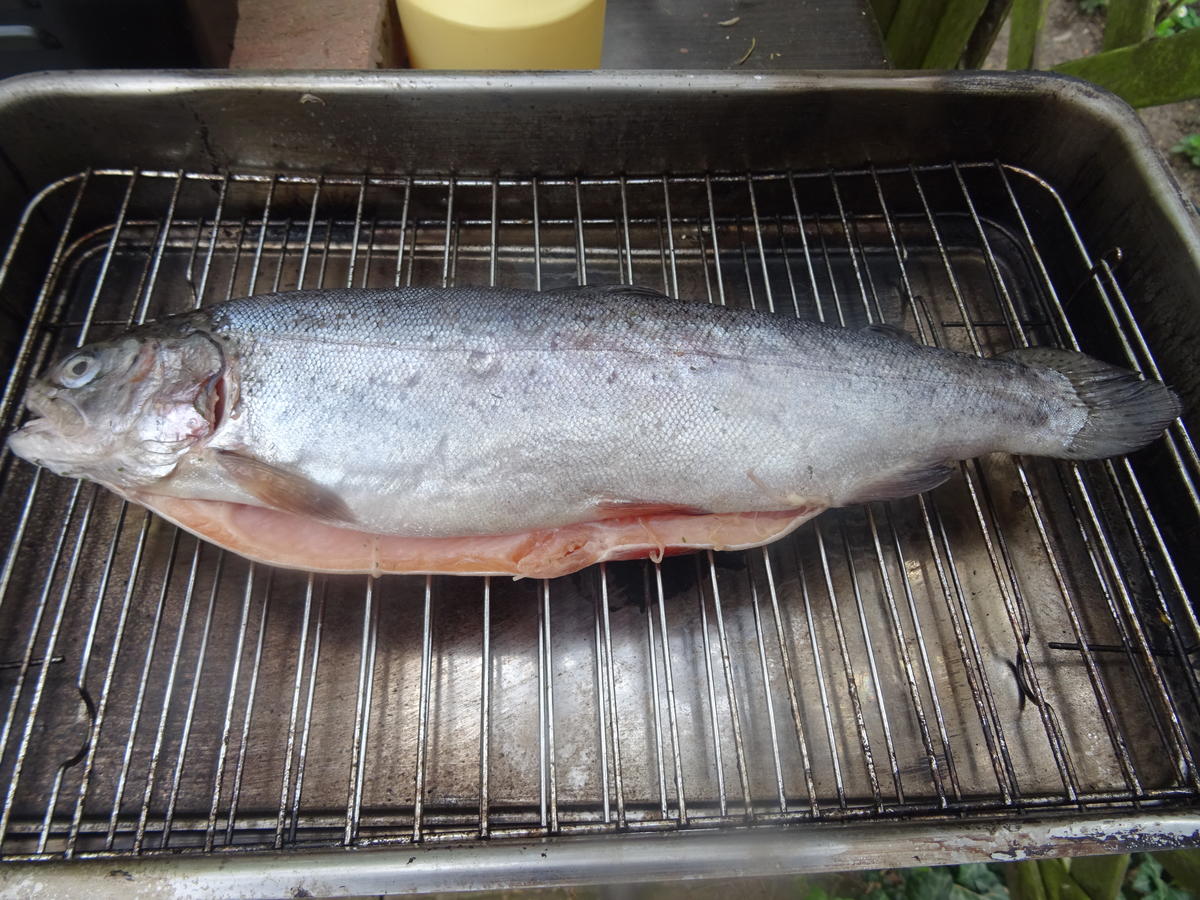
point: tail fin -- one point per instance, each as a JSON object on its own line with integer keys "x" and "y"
{"x": 1124, "y": 411}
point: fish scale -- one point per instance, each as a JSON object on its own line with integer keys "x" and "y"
{"x": 593, "y": 394}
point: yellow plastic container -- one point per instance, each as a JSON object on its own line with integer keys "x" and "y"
{"x": 503, "y": 34}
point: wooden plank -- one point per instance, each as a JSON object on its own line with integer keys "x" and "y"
{"x": 1026, "y": 20}
{"x": 953, "y": 32}
{"x": 1129, "y": 22}
{"x": 911, "y": 31}
{"x": 786, "y": 35}
{"x": 1157, "y": 71}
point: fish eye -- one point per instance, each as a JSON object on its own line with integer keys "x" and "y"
{"x": 78, "y": 370}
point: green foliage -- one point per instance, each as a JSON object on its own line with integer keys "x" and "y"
{"x": 982, "y": 880}
{"x": 1129, "y": 22}
{"x": 1189, "y": 147}
{"x": 953, "y": 33}
{"x": 1121, "y": 877}
{"x": 974, "y": 881}
{"x": 1147, "y": 881}
{"x": 912, "y": 30}
{"x": 1100, "y": 877}
{"x": 1150, "y": 54}
{"x": 1184, "y": 867}
{"x": 1185, "y": 17}
{"x": 1150, "y": 73}
{"x": 1025, "y": 23}
{"x": 928, "y": 883}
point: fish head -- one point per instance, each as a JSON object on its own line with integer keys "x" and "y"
{"x": 124, "y": 412}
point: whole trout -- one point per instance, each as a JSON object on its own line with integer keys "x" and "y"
{"x": 506, "y": 431}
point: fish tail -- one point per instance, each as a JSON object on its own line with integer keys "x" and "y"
{"x": 1125, "y": 412}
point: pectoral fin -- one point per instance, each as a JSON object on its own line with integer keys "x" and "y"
{"x": 283, "y": 490}
{"x": 622, "y": 508}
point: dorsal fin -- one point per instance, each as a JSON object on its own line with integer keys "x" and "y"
{"x": 891, "y": 331}
{"x": 630, "y": 290}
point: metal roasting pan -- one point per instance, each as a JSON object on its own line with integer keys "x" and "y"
{"x": 1003, "y": 668}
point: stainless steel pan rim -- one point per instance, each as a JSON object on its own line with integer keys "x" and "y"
{"x": 581, "y": 861}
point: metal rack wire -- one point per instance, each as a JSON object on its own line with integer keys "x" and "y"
{"x": 1020, "y": 639}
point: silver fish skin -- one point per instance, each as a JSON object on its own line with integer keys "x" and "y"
{"x": 475, "y": 411}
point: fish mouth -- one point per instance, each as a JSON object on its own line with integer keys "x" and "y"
{"x": 39, "y": 426}
{"x": 51, "y": 414}
{"x": 50, "y": 433}
{"x": 43, "y": 442}
{"x": 36, "y": 434}
{"x": 28, "y": 440}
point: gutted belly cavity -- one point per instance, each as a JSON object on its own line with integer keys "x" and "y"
{"x": 296, "y": 542}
